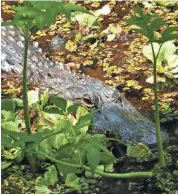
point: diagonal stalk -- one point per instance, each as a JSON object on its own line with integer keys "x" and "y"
{"x": 25, "y": 89}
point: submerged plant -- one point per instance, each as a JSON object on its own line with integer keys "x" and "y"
{"x": 147, "y": 25}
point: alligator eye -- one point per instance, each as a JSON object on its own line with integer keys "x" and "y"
{"x": 87, "y": 102}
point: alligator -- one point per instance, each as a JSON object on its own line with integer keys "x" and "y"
{"x": 115, "y": 112}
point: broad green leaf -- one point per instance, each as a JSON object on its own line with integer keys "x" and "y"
{"x": 147, "y": 51}
{"x": 29, "y": 11}
{"x": 81, "y": 111}
{"x": 7, "y": 116}
{"x": 40, "y": 20}
{"x": 156, "y": 24}
{"x": 50, "y": 15}
{"x": 18, "y": 102}
{"x": 139, "y": 11}
{"x": 93, "y": 157}
{"x": 58, "y": 140}
{"x": 44, "y": 98}
{"x": 40, "y": 5}
{"x": 33, "y": 97}
{"x": 65, "y": 169}
{"x": 62, "y": 124}
{"x": 140, "y": 151}
{"x": 8, "y": 23}
{"x": 84, "y": 121}
{"x": 169, "y": 33}
{"x": 8, "y": 105}
{"x": 60, "y": 9}
{"x": 6, "y": 141}
{"x": 5, "y": 165}
{"x": 73, "y": 7}
{"x": 41, "y": 186}
{"x": 107, "y": 158}
{"x": 53, "y": 110}
{"x": 167, "y": 50}
{"x": 10, "y": 126}
{"x": 73, "y": 108}
{"x": 59, "y": 102}
{"x": 50, "y": 176}
{"x": 72, "y": 180}
{"x": 91, "y": 175}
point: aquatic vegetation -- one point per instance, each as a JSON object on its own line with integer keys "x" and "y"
{"x": 167, "y": 3}
{"x": 167, "y": 61}
{"x": 54, "y": 120}
{"x": 147, "y": 24}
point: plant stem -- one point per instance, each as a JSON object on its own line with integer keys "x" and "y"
{"x": 25, "y": 89}
{"x": 162, "y": 162}
{"x": 104, "y": 174}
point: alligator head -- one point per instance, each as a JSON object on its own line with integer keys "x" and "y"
{"x": 115, "y": 113}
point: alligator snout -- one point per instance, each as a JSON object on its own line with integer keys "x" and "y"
{"x": 129, "y": 125}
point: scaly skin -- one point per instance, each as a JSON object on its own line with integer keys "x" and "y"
{"x": 115, "y": 112}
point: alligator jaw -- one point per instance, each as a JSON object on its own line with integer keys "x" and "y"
{"x": 129, "y": 125}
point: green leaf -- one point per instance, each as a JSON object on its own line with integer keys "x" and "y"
{"x": 6, "y": 141}
{"x": 42, "y": 4}
{"x": 7, "y": 116}
{"x": 53, "y": 110}
{"x": 8, "y": 23}
{"x": 59, "y": 102}
{"x": 40, "y": 20}
{"x": 73, "y": 108}
{"x": 44, "y": 98}
{"x": 65, "y": 169}
{"x": 73, "y": 7}
{"x": 29, "y": 11}
{"x": 81, "y": 111}
{"x": 140, "y": 151}
{"x": 18, "y": 102}
{"x": 8, "y": 105}
{"x": 58, "y": 140}
{"x": 156, "y": 24}
{"x": 139, "y": 11}
{"x": 33, "y": 97}
{"x": 51, "y": 15}
{"x": 93, "y": 157}
{"x": 62, "y": 124}
{"x": 12, "y": 126}
{"x": 50, "y": 176}
{"x": 72, "y": 180}
{"x": 88, "y": 174}
{"x": 41, "y": 187}
{"x": 5, "y": 165}
{"x": 169, "y": 33}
